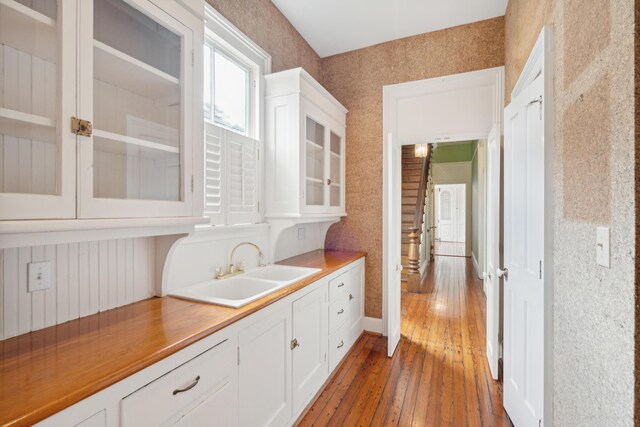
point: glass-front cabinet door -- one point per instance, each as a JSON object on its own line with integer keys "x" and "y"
{"x": 336, "y": 158}
{"x": 323, "y": 187}
{"x": 136, "y": 72}
{"x": 37, "y": 98}
{"x": 315, "y": 164}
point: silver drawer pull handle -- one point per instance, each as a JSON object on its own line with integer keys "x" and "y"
{"x": 350, "y": 297}
{"x": 341, "y": 311}
{"x": 341, "y": 285}
{"x": 187, "y": 388}
{"x": 341, "y": 344}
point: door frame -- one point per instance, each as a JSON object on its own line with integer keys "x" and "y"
{"x": 391, "y": 94}
{"x": 541, "y": 62}
{"x": 457, "y": 173}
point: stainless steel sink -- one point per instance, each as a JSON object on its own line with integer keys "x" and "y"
{"x": 240, "y": 290}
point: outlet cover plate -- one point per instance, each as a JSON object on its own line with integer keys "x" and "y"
{"x": 39, "y": 276}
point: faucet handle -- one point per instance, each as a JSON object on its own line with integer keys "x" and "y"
{"x": 240, "y": 266}
{"x": 219, "y": 272}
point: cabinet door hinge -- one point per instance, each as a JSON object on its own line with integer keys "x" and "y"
{"x": 193, "y": 57}
{"x": 258, "y": 206}
{"x": 238, "y": 355}
{"x": 81, "y": 127}
{"x": 325, "y": 356}
{"x": 192, "y": 183}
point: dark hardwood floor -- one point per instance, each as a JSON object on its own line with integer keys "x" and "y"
{"x": 438, "y": 375}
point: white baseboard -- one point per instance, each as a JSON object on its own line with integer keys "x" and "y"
{"x": 475, "y": 265}
{"x": 371, "y": 324}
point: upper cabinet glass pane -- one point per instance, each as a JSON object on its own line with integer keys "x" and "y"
{"x": 315, "y": 132}
{"x": 132, "y": 32}
{"x": 29, "y": 69}
{"x": 137, "y": 104}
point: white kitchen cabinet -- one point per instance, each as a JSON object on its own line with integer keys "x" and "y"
{"x": 251, "y": 373}
{"x": 305, "y": 148}
{"x": 309, "y": 346}
{"x": 265, "y": 368}
{"x": 126, "y": 69}
{"x": 186, "y": 395}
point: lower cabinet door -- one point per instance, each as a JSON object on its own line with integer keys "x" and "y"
{"x": 265, "y": 363}
{"x": 309, "y": 346}
{"x": 356, "y": 304}
{"x": 215, "y": 410}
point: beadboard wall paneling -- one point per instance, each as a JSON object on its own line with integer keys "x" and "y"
{"x": 86, "y": 278}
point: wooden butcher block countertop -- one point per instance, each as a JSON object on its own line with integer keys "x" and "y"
{"x": 46, "y": 371}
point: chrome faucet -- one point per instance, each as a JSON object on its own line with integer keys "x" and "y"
{"x": 232, "y": 269}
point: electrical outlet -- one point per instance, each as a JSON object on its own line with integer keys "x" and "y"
{"x": 39, "y": 276}
{"x": 301, "y": 233}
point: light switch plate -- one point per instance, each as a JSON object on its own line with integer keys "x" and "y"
{"x": 301, "y": 233}
{"x": 603, "y": 250}
{"x": 39, "y": 277}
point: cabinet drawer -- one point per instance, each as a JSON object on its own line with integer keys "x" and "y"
{"x": 339, "y": 343}
{"x": 165, "y": 397}
{"x": 339, "y": 312}
{"x": 339, "y": 285}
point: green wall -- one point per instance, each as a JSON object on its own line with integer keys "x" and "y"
{"x": 454, "y": 152}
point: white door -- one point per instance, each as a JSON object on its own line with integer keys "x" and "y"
{"x": 523, "y": 255}
{"x": 265, "y": 385}
{"x": 393, "y": 178}
{"x": 450, "y": 212}
{"x": 309, "y": 346}
{"x": 491, "y": 280}
{"x": 445, "y": 213}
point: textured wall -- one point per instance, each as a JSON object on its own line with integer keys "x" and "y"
{"x": 523, "y": 21}
{"x": 356, "y": 80}
{"x": 594, "y": 307}
{"x": 267, "y": 26}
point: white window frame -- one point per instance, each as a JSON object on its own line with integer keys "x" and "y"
{"x": 224, "y": 37}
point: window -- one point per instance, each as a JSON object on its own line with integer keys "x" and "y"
{"x": 234, "y": 67}
{"x": 228, "y": 90}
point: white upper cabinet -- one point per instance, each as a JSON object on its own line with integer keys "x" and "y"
{"x": 127, "y": 67}
{"x": 37, "y": 100}
{"x": 305, "y": 148}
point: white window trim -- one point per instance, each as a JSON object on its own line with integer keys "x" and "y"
{"x": 230, "y": 39}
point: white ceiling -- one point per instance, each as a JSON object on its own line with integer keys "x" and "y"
{"x": 336, "y": 26}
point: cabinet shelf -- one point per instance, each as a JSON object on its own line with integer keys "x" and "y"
{"x": 335, "y": 154}
{"x": 316, "y": 180}
{"x": 28, "y": 30}
{"x": 315, "y": 145}
{"x": 142, "y": 143}
{"x": 25, "y": 125}
{"x": 117, "y": 68}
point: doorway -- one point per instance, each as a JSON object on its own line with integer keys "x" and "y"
{"x": 450, "y": 219}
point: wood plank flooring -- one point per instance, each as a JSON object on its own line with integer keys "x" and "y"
{"x": 449, "y": 248}
{"x": 438, "y": 375}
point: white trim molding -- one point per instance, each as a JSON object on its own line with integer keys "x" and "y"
{"x": 373, "y": 324}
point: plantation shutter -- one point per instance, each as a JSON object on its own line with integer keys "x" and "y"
{"x": 242, "y": 179}
{"x": 214, "y": 161}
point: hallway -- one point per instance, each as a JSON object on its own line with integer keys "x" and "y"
{"x": 438, "y": 375}
{"x": 448, "y": 248}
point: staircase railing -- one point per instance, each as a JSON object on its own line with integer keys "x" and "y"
{"x": 415, "y": 232}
